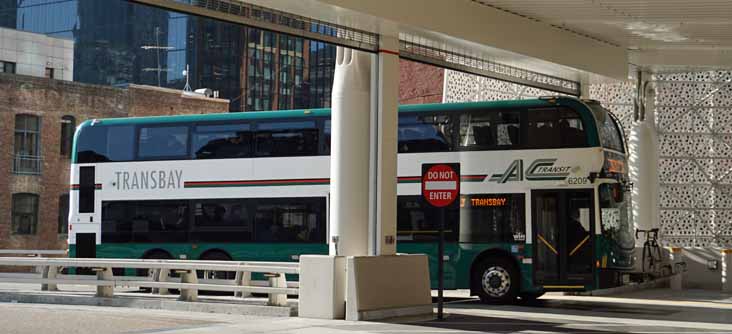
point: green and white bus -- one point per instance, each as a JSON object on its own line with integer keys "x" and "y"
{"x": 542, "y": 206}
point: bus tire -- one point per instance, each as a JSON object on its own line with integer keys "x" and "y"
{"x": 216, "y": 255}
{"x": 157, "y": 254}
{"x": 496, "y": 280}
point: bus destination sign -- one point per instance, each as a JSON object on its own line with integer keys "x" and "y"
{"x": 441, "y": 184}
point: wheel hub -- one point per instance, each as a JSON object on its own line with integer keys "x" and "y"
{"x": 496, "y": 281}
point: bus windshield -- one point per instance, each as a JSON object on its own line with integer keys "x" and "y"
{"x": 614, "y": 212}
{"x": 608, "y": 129}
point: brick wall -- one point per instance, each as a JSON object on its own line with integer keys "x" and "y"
{"x": 51, "y": 100}
{"x": 420, "y": 83}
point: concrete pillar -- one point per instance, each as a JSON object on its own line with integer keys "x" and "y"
{"x": 49, "y": 272}
{"x": 105, "y": 274}
{"x": 188, "y": 294}
{"x": 584, "y": 80}
{"x": 677, "y": 279}
{"x": 384, "y": 189}
{"x": 161, "y": 275}
{"x": 277, "y": 281}
{"x": 727, "y": 270}
{"x": 349, "y": 159}
{"x": 243, "y": 278}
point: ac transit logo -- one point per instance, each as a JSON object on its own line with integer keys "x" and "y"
{"x": 539, "y": 170}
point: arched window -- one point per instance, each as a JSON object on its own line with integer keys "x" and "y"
{"x": 68, "y": 125}
{"x": 27, "y": 158}
{"x": 25, "y": 213}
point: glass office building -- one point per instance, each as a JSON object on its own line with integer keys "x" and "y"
{"x": 119, "y": 42}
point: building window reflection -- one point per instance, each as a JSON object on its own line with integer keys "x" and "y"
{"x": 119, "y": 42}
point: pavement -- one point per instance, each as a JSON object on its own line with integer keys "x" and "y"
{"x": 646, "y": 311}
{"x": 649, "y": 311}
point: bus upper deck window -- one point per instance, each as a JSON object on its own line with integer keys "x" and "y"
{"x": 163, "y": 141}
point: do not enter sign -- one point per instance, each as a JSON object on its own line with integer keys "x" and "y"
{"x": 441, "y": 184}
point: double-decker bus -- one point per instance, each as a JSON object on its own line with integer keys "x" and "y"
{"x": 542, "y": 206}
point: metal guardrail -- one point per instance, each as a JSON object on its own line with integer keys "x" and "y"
{"x": 160, "y": 280}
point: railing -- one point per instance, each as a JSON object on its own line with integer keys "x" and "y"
{"x": 27, "y": 164}
{"x": 188, "y": 283}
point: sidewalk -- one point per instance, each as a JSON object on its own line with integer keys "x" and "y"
{"x": 84, "y": 295}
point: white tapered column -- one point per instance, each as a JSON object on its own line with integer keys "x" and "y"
{"x": 644, "y": 167}
{"x": 349, "y": 159}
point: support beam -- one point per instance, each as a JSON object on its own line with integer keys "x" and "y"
{"x": 387, "y": 88}
{"x": 684, "y": 59}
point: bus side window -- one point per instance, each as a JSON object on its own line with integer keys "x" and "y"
{"x": 290, "y": 220}
{"x": 222, "y": 141}
{"x": 492, "y": 218}
{"x": 490, "y": 130}
{"x": 163, "y": 142}
{"x": 554, "y": 128}
{"x": 326, "y": 137}
{"x": 424, "y": 134}
{"x": 417, "y": 221}
{"x": 105, "y": 144}
{"x": 221, "y": 220}
{"x": 283, "y": 139}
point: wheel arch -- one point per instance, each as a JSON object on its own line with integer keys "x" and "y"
{"x": 214, "y": 251}
{"x": 148, "y": 252}
{"x": 487, "y": 254}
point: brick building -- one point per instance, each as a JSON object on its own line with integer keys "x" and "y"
{"x": 37, "y": 121}
{"x": 420, "y": 83}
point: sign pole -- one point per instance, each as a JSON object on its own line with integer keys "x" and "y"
{"x": 441, "y": 265}
{"x": 440, "y": 190}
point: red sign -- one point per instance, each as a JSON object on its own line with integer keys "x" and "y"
{"x": 440, "y": 184}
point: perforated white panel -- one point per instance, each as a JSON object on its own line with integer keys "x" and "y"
{"x": 694, "y": 122}
{"x": 618, "y": 98}
{"x": 463, "y": 87}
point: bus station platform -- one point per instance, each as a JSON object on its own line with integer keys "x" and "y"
{"x": 647, "y": 311}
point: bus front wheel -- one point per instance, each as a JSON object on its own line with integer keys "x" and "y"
{"x": 497, "y": 281}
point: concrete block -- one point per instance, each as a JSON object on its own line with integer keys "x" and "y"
{"x": 380, "y": 287}
{"x": 677, "y": 280}
{"x": 322, "y": 287}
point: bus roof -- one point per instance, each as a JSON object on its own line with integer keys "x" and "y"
{"x": 324, "y": 112}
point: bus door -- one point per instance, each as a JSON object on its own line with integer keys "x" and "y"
{"x": 562, "y": 236}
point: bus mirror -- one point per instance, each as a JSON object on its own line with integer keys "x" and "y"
{"x": 618, "y": 192}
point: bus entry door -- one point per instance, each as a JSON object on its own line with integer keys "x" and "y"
{"x": 562, "y": 236}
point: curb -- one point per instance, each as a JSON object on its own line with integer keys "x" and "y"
{"x": 656, "y": 283}
{"x": 159, "y": 304}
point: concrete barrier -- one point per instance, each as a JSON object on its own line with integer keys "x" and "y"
{"x": 380, "y": 287}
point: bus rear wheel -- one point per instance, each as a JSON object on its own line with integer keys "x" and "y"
{"x": 153, "y": 255}
{"x": 216, "y": 256}
{"x": 496, "y": 281}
